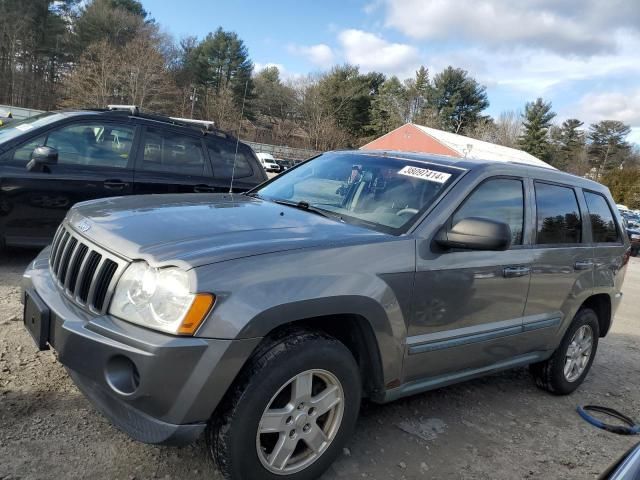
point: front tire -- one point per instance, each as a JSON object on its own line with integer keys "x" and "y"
{"x": 569, "y": 365}
{"x": 289, "y": 413}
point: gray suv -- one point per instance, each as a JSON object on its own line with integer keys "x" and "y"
{"x": 262, "y": 319}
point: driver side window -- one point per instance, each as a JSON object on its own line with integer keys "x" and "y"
{"x": 500, "y": 199}
{"x": 89, "y": 144}
{"x": 22, "y": 154}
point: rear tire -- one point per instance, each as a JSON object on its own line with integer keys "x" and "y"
{"x": 569, "y": 365}
{"x": 301, "y": 391}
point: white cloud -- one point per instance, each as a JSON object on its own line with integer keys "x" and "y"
{"x": 320, "y": 55}
{"x": 372, "y": 52}
{"x": 570, "y": 27}
{"x": 257, "y": 66}
{"x": 623, "y": 106}
{"x": 284, "y": 72}
{"x": 535, "y": 73}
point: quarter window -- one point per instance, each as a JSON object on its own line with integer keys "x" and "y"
{"x": 603, "y": 225}
{"x": 558, "y": 219}
{"x": 170, "y": 152}
{"x": 223, "y": 155}
{"x": 500, "y": 199}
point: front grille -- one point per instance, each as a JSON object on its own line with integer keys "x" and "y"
{"x": 84, "y": 272}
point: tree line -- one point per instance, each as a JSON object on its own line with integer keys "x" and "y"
{"x": 71, "y": 54}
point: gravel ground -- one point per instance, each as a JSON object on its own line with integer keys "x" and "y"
{"x": 499, "y": 427}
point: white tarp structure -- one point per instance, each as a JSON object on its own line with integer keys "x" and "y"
{"x": 477, "y": 149}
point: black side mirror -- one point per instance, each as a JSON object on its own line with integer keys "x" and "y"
{"x": 476, "y": 233}
{"x": 41, "y": 157}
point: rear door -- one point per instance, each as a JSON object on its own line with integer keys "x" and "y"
{"x": 172, "y": 162}
{"x": 562, "y": 270}
{"x": 94, "y": 161}
{"x": 608, "y": 245}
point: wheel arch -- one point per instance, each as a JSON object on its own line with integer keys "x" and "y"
{"x": 360, "y": 323}
{"x": 601, "y": 304}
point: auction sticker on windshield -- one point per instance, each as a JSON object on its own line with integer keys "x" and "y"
{"x": 24, "y": 127}
{"x": 425, "y": 174}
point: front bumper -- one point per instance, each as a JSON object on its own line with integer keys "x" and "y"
{"x": 158, "y": 388}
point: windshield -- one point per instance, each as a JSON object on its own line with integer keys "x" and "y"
{"x": 379, "y": 192}
{"x": 17, "y": 128}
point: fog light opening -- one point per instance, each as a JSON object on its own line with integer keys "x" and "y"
{"x": 122, "y": 375}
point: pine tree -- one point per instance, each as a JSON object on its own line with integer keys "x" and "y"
{"x": 417, "y": 91}
{"x": 456, "y": 100}
{"x": 607, "y": 145}
{"x": 536, "y": 124}
{"x": 388, "y": 107}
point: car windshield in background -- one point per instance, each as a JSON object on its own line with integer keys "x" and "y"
{"x": 379, "y": 192}
{"x": 17, "y": 128}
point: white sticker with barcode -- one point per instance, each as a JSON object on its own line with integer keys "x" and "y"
{"x": 24, "y": 127}
{"x": 425, "y": 174}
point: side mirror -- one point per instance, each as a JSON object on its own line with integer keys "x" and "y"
{"x": 41, "y": 157}
{"x": 476, "y": 233}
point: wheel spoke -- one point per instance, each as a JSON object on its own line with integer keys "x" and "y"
{"x": 568, "y": 368}
{"x": 301, "y": 388}
{"x": 326, "y": 400}
{"x": 316, "y": 439}
{"x": 282, "y": 452}
{"x": 274, "y": 420}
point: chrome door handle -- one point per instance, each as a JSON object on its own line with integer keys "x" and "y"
{"x": 587, "y": 265}
{"x": 513, "y": 272}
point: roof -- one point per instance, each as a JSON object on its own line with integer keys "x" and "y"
{"x": 456, "y": 145}
{"x": 472, "y": 148}
{"x": 540, "y": 172}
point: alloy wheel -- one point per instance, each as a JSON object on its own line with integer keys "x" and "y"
{"x": 300, "y": 422}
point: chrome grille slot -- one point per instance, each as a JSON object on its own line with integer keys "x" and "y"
{"x": 86, "y": 273}
{"x": 103, "y": 282}
{"x": 64, "y": 259}
{"x": 74, "y": 267}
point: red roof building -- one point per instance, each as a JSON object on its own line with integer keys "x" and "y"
{"x": 417, "y": 138}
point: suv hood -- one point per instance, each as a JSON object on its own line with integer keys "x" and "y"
{"x": 196, "y": 229}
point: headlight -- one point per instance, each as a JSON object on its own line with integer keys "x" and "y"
{"x": 159, "y": 298}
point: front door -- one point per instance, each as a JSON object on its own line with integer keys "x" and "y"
{"x": 170, "y": 162}
{"x": 93, "y": 162}
{"x": 468, "y": 305}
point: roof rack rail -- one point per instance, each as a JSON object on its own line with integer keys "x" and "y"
{"x": 204, "y": 126}
{"x": 133, "y": 109}
{"x": 203, "y": 123}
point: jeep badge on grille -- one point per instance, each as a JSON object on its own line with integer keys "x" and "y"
{"x": 83, "y": 225}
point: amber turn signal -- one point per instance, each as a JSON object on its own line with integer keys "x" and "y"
{"x": 200, "y": 307}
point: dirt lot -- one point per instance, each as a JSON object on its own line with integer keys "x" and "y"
{"x": 500, "y": 427}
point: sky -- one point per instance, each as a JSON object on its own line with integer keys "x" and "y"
{"x": 582, "y": 55}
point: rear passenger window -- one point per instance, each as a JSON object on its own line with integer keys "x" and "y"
{"x": 172, "y": 152}
{"x": 499, "y": 199}
{"x": 223, "y": 156}
{"x": 603, "y": 226}
{"x": 558, "y": 219}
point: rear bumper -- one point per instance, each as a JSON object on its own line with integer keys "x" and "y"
{"x": 157, "y": 388}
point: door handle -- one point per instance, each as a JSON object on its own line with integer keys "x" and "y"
{"x": 514, "y": 272}
{"x": 114, "y": 184}
{"x": 204, "y": 189}
{"x": 583, "y": 265}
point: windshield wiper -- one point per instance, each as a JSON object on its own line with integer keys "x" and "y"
{"x": 302, "y": 205}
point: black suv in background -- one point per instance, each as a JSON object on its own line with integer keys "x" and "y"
{"x": 92, "y": 154}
